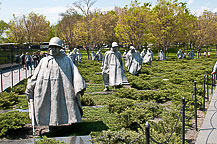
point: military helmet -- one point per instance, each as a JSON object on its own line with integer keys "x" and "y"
{"x": 56, "y": 42}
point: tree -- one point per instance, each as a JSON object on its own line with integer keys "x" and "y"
{"x": 36, "y": 28}
{"x": 16, "y": 33}
{"x": 65, "y": 29}
{"x": 167, "y": 22}
{"x": 30, "y": 29}
{"x": 96, "y": 31}
{"x": 133, "y": 24}
{"x": 204, "y": 32}
{"x": 84, "y": 6}
{"x": 109, "y": 22}
{"x": 3, "y": 27}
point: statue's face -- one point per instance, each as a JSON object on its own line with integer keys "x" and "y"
{"x": 54, "y": 50}
{"x": 115, "y": 49}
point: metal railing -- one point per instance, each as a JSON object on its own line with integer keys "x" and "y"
{"x": 11, "y": 75}
{"x": 205, "y": 87}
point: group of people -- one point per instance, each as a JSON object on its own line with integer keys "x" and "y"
{"x": 27, "y": 60}
{"x": 208, "y": 54}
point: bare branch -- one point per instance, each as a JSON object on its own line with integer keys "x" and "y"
{"x": 84, "y": 6}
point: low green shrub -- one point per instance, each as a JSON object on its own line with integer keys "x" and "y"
{"x": 126, "y": 93}
{"x": 123, "y": 136}
{"x": 11, "y": 121}
{"x": 46, "y": 140}
{"x": 133, "y": 117}
{"x": 119, "y": 105}
{"x": 87, "y": 101}
{"x": 19, "y": 89}
{"x": 8, "y": 99}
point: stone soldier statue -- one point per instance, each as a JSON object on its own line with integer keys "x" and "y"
{"x": 79, "y": 56}
{"x": 55, "y": 89}
{"x": 161, "y": 56}
{"x": 93, "y": 56}
{"x": 191, "y": 54}
{"x": 99, "y": 55}
{"x": 148, "y": 57}
{"x": 180, "y": 54}
{"x": 125, "y": 56}
{"x": 134, "y": 61}
{"x": 73, "y": 56}
{"x": 143, "y": 53}
{"x": 112, "y": 68}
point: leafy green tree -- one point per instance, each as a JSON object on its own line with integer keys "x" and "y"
{"x": 133, "y": 24}
{"x": 30, "y": 29}
{"x": 3, "y": 27}
{"x": 85, "y": 7}
{"x": 204, "y": 32}
{"x": 168, "y": 17}
{"x": 186, "y": 29}
{"x": 51, "y": 32}
{"x": 109, "y": 22}
{"x": 15, "y": 33}
{"x": 65, "y": 29}
{"x": 96, "y": 31}
{"x": 36, "y": 28}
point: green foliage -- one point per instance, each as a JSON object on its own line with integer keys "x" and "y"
{"x": 138, "y": 114}
{"x": 46, "y": 140}
{"x": 123, "y": 136}
{"x": 3, "y": 27}
{"x": 12, "y": 121}
{"x": 8, "y": 99}
{"x": 87, "y": 101}
{"x": 19, "y": 89}
{"x": 119, "y": 105}
{"x": 22, "y": 102}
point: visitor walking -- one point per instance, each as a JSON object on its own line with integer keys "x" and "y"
{"x": 28, "y": 59}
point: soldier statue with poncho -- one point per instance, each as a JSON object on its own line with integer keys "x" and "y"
{"x": 112, "y": 68}
{"x": 55, "y": 89}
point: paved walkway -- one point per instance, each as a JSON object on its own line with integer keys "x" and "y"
{"x": 208, "y": 131}
{"x": 67, "y": 140}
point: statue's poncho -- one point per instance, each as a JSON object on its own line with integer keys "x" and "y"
{"x": 161, "y": 56}
{"x": 79, "y": 56}
{"x": 74, "y": 57}
{"x": 99, "y": 56}
{"x": 143, "y": 53}
{"x": 191, "y": 54}
{"x": 179, "y": 55}
{"x": 112, "y": 69}
{"x": 93, "y": 56}
{"x": 125, "y": 57}
{"x": 134, "y": 62}
{"x": 148, "y": 57}
{"x": 215, "y": 68}
{"x": 54, "y": 87}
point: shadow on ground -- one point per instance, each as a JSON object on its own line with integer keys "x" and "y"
{"x": 76, "y": 129}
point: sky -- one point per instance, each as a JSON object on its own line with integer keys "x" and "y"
{"x": 52, "y": 8}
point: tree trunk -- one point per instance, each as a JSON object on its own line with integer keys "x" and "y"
{"x": 216, "y": 49}
{"x": 87, "y": 49}
{"x": 207, "y": 49}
